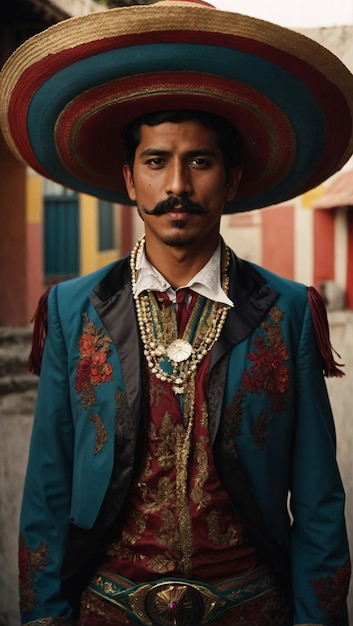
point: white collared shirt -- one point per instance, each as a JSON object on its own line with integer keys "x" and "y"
{"x": 207, "y": 282}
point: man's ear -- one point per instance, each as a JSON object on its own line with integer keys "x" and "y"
{"x": 232, "y": 183}
{"x": 129, "y": 182}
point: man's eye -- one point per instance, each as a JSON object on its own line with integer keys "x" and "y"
{"x": 156, "y": 162}
{"x": 200, "y": 162}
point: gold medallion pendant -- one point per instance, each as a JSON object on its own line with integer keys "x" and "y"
{"x": 179, "y": 350}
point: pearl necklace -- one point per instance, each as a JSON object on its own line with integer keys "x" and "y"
{"x": 172, "y": 359}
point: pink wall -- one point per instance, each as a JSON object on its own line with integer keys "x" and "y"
{"x": 278, "y": 240}
{"x": 34, "y": 266}
{"x": 324, "y": 245}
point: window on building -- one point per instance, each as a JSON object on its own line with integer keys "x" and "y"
{"x": 105, "y": 226}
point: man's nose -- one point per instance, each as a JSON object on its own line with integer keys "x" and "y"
{"x": 178, "y": 179}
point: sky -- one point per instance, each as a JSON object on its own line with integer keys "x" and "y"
{"x": 300, "y": 13}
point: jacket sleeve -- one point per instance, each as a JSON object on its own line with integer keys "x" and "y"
{"x": 319, "y": 547}
{"x": 45, "y": 509}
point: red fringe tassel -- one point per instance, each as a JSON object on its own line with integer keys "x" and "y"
{"x": 39, "y": 334}
{"x": 322, "y": 334}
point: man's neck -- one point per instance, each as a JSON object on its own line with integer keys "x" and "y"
{"x": 177, "y": 264}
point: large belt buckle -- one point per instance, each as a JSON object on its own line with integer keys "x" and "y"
{"x": 174, "y": 603}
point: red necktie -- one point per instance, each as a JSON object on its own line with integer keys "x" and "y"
{"x": 184, "y": 307}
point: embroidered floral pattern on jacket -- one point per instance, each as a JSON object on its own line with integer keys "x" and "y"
{"x": 30, "y": 562}
{"x": 259, "y": 430}
{"x": 269, "y": 372}
{"x": 101, "y": 433}
{"x": 93, "y": 368}
{"x": 331, "y": 593}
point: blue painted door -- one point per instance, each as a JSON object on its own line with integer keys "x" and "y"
{"x": 61, "y": 233}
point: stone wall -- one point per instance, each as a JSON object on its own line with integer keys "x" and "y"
{"x": 17, "y": 397}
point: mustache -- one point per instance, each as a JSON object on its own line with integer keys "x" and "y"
{"x": 183, "y": 204}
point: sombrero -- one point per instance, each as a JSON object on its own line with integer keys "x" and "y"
{"x": 66, "y": 94}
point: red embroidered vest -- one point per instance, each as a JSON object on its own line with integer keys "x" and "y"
{"x": 180, "y": 522}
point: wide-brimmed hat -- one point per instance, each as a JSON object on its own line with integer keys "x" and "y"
{"x": 67, "y": 93}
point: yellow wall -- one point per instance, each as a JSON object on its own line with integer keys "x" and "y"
{"x": 34, "y": 199}
{"x": 91, "y": 259}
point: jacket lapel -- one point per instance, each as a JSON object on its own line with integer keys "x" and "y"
{"x": 252, "y": 300}
{"x": 114, "y": 304}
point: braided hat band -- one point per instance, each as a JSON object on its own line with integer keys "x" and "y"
{"x": 67, "y": 93}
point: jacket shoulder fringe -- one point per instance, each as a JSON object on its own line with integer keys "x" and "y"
{"x": 331, "y": 367}
{"x": 40, "y": 319}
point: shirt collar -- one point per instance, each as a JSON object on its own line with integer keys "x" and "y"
{"x": 206, "y": 282}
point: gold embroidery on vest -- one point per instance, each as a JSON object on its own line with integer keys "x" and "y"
{"x": 226, "y": 537}
{"x": 154, "y": 500}
{"x": 204, "y": 415}
{"x": 147, "y": 470}
{"x": 129, "y": 537}
{"x": 156, "y": 392}
{"x": 198, "y": 493}
{"x": 183, "y": 450}
{"x": 161, "y": 564}
{"x": 168, "y": 434}
{"x": 167, "y": 533}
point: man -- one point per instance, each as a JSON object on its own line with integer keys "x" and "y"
{"x": 182, "y": 467}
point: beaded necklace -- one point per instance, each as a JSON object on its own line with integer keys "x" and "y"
{"x": 172, "y": 359}
{"x": 175, "y": 360}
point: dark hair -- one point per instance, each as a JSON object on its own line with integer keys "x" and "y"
{"x": 228, "y": 138}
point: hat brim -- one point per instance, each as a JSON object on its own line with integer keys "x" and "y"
{"x": 67, "y": 93}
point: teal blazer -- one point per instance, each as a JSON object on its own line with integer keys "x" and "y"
{"x": 270, "y": 423}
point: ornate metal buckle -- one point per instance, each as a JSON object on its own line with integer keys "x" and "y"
{"x": 173, "y": 603}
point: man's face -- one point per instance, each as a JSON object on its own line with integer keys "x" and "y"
{"x": 183, "y": 165}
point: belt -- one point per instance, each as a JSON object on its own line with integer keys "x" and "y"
{"x": 177, "y": 601}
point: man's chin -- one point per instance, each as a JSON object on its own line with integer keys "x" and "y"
{"x": 179, "y": 238}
